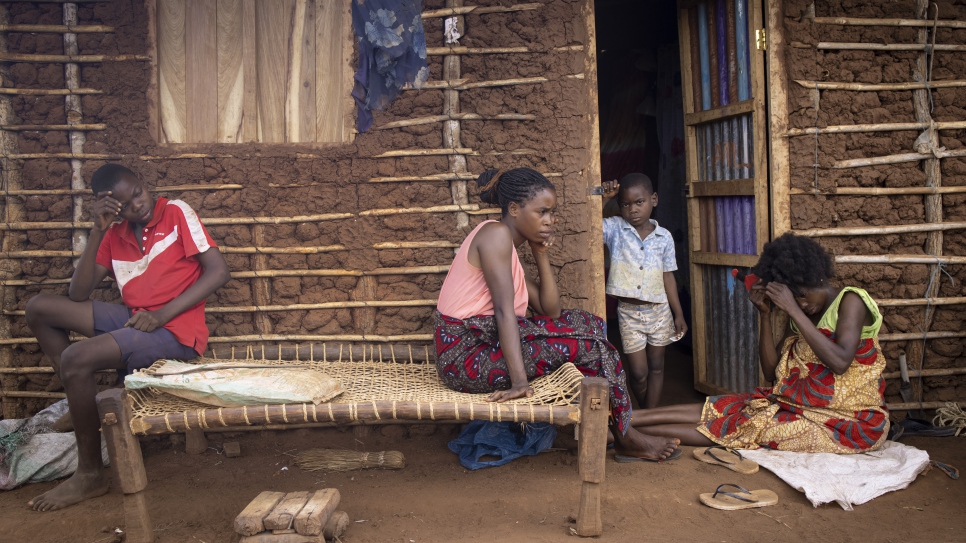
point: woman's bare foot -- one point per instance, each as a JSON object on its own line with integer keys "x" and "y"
{"x": 640, "y": 445}
{"x": 80, "y": 487}
{"x": 63, "y": 424}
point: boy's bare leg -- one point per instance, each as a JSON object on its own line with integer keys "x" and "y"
{"x": 51, "y": 318}
{"x": 638, "y": 374}
{"x": 654, "y": 382}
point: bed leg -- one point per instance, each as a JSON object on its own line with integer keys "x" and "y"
{"x": 127, "y": 464}
{"x": 195, "y": 441}
{"x": 592, "y": 450}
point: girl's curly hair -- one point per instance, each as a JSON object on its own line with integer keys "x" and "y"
{"x": 796, "y": 261}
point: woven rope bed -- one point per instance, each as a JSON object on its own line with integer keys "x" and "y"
{"x": 376, "y": 390}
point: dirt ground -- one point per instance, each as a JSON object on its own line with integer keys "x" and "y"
{"x": 195, "y": 498}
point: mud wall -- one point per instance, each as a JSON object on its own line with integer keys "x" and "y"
{"x": 813, "y": 209}
{"x": 280, "y": 181}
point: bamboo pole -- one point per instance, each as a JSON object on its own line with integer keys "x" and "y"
{"x": 78, "y": 156}
{"x": 919, "y": 336}
{"x": 32, "y": 394}
{"x": 914, "y": 406}
{"x": 210, "y": 221}
{"x": 447, "y": 84}
{"x": 824, "y": 45}
{"x": 896, "y": 159}
{"x": 882, "y": 191}
{"x": 325, "y": 305}
{"x": 68, "y": 192}
{"x": 56, "y": 29}
{"x": 73, "y": 112}
{"x": 862, "y": 21}
{"x": 465, "y": 84}
{"x": 836, "y": 85}
{"x": 407, "y": 210}
{"x": 181, "y": 156}
{"x": 903, "y": 302}
{"x": 41, "y": 127}
{"x": 926, "y": 373}
{"x": 463, "y": 10}
{"x": 308, "y": 337}
{"x": 48, "y": 92}
{"x": 877, "y": 127}
{"x": 880, "y": 230}
{"x": 899, "y": 259}
{"x": 440, "y": 177}
{"x": 463, "y": 50}
{"x": 406, "y": 270}
{"x": 415, "y": 245}
{"x": 17, "y": 57}
{"x": 223, "y": 249}
{"x": 457, "y": 116}
{"x": 426, "y": 152}
{"x": 452, "y": 69}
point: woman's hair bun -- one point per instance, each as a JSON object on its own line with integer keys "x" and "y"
{"x": 488, "y": 182}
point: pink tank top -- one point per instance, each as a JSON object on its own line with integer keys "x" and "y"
{"x": 464, "y": 292}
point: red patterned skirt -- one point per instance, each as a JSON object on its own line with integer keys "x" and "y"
{"x": 469, "y": 357}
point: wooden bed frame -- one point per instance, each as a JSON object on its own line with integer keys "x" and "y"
{"x": 116, "y": 410}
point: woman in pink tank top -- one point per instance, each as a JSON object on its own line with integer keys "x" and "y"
{"x": 485, "y": 343}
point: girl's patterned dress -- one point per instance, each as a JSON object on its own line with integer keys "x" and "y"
{"x": 810, "y": 409}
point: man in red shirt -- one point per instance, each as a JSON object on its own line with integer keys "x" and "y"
{"x": 165, "y": 265}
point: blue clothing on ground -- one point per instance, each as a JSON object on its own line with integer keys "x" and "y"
{"x": 504, "y": 440}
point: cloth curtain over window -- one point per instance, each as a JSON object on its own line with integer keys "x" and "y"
{"x": 392, "y": 53}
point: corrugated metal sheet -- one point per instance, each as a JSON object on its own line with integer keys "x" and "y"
{"x": 732, "y": 332}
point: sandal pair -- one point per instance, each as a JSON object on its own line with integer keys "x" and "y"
{"x": 726, "y": 457}
{"x": 740, "y": 499}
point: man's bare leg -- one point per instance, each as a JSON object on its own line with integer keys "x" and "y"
{"x": 51, "y": 318}
{"x": 642, "y": 445}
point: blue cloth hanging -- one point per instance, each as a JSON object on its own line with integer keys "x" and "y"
{"x": 504, "y": 440}
{"x": 392, "y": 53}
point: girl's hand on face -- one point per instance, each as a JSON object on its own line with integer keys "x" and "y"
{"x": 781, "y": 296}
{"x": 539, "y": 248}
{"x": 106, "y": 209}
{"x": 759, "y": 299}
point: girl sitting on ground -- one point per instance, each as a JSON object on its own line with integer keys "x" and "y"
{"x": 827, "y": 369}
{"x": 485, "y": 343}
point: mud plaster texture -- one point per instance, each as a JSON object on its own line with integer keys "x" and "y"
{"x": 337, "y": 182}
{"x": 849, "y": 107}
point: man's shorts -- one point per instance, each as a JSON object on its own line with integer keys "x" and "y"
{"x": 646, "y": 324}
{"x": 138, "y": 349}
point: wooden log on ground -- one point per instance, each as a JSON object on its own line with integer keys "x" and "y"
{"x": 592, "y": 451}
{"x": 55, "y": 59}
{"x": 463, "y": 10}
{"x": 881, "y": 230}
{"x": 838, "y": 85}
{"x": 48, "y": 92}
{"x": 284, "y": 513}
{"x": 336, "y": 527}
{"x": 317, "y": 511}
{"x": 56, "y": 29}
{"x": 252, "y": 519}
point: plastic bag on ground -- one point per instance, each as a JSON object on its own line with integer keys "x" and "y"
{"x": 505, "y": 440}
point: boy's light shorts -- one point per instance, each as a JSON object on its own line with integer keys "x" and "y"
{"x": 138, "y": 349}
{"x": 643, "y": 325}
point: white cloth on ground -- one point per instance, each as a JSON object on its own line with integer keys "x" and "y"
{"x": 847, "y": 479}
{"x": 44, "y": 455}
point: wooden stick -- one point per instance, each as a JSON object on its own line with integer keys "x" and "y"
{"x": 180, "y": 156}
{"x": 882, "y": 191}
{"x": 445, "y": 84}
{"x": 31, "y": 394}
{"x": 464, "y": 84}
{"x": 404, "y": 352}
{"x": 881, "y": 230}
{"x": 17, "y": 57}
{"x": 913, "y": 406}
{"x": 406, "y": 210}
{"x": 457, "y": 116}
{"x": 40, "y": 127}
{"x": 896, "y": 159}
{"x": 879, "y": 127}
{"x": 324, "y": 305}
{"x": 377, "y": 410}
{"x": 283, "y": 250}
{"x": 833, "y": 85}
{"x": 48, "y": 92}
{"x": 414, "y": 270}
{"x": 592, "y": 452}
{"x": 253, "y": 338}
{"x": 56, "y": 29}
{"x": 66, "y": 192}
{"x": 824, "y": 45}
{"x": 452, "y": 176}
{"x": 899, "y": 259}
{"x": 426, "y": 152}
{"x": 897, "y": 302}
{"x": 926, "y": 373}
{"x": 78, "y": 156}
{"x": 209, "y": 221}
{"x": 919, "y": 336}
{"x": 861, "y": 21}
{"x": 446, "y": 12}
{"x": 462, "y": 50}
{"x": 412, "y": 245}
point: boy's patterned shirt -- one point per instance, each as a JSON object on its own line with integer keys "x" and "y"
{"x": 637, "y": 266}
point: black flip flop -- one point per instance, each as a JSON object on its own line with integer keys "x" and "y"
{"x": 627, "y": 459}
{"x": 923, "y": 428}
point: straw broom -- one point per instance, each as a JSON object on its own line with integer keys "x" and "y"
{"x": 346, "y": 460}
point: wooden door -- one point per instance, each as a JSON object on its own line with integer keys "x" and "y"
{"x": 725, "y": 142}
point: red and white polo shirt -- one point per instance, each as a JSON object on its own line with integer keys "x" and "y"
{"x": 167, "y": 266}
